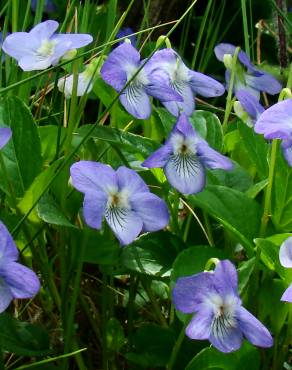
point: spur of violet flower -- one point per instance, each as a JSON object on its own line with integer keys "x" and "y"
{"x": 276, "y": 123}
{"x": 41, "y": 47}
{"x": 285, "y": 256}
{"x": 184, "y": 157}
{"x": 120, "y": 66}
{"x": 247, "y": 107}
{"x": 17, "y": 281}
{"x": 184, "y": 81}
{"x": 219, "y": 314}
{"x": 121, "y": 196}
{"x": 247, "y": 76}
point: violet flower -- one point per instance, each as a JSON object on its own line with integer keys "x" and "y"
{"x": 187, "y": 83}
{"x": 285, "y": 256}
{"x": 119, "y": 68}
{"x": 5, "y": 135}
{"x": 184, "y": 157}
{"x": 121, "y": 196}
{"x": 49, "y": 6}
{"x": 126, "y": 31}
{"x": 17, "y": 281}
{"x": 219, "y": 315}
{"x": 41, "y": 47}
{"x": 247, "y": 107}
{"x": 276, "y": 123}
{"x": 85, "y": 80}
{"x": 247, "y": 76}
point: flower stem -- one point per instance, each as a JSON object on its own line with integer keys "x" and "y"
{"x": 176, "y": 348}
{"x": 229, "y": 100}
{"x": 289, "y": 82}
{"x": 268, "y": 193}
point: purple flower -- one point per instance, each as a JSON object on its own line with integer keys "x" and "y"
{"x": 187, "y": 83}
{"x": 219, "y": 315}
{"x": 17, "y": 281}
{"x": 285, "y": 257}
{"x": 49, "y": 6}
{"x": 247, "y": 76}
{"x": 276, "y": 123}
{"x": 184, "y": 157}
{"x": 120, "y": 66}
{"x": 41, "y": 47}
{"x": 123, "y": 32}
{"x": 120, "y": 196}
{"x": 5, "y": 135}
{"x": 247, "y": 108}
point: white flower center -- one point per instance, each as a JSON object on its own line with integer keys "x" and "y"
{"x": 178, "y": 72}
{"x": 224, "y": 313}
{"x": 140, "y": 79}
{"x": 47, "y": 48}
{"x": 118, "y": 199}
{"x": 182, "y": 145}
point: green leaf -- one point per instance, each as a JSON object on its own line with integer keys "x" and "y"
{"x": 271, "y": 305}
{"x": 193, "y": 260}
{"x": 256, "y": 147}
{"x": 282, "y": 195}
{"x": 238, "y": 213}
{"x": 152, "y": 254}
{"x": 245, "y": 271}
{"x": 238, "y": 178}
{"x": 22, "y": 154}
{"x": 166, "y": 118}
{"x": 208, "y": 125}
{"x": 210, "y": 358}
{"x": 115, "y": 337}
{"x": 49, "y": 140}
{"x": 135, "y": 143}
{"x": 254, "y": 190}
{"x": 99, "y": 248}
{"x": 37, "y": 189}
{"x": 152, "y": 345}
{"x": 49, "y": 211}
{"x": 270, "y": 252}
{"x": 22, "y": 338}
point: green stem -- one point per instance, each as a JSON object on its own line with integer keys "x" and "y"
{"x": 69, "y": 332}
{"x": 176, "y": 349}
{"x": 154, "y": 304}
{"x": 15, "y": 7}
{"x": 208, "y": 228}
{"x": 289, "y": 82}
{"x": 2, "y": 366}
{"x": 148, "y": 291}
{"x": 72, "y": 122}
{"x": 104, "y": 322}
{"x": 229, "y": 100}
{"x": 268, "y": 193}
{"x": 245, "y": 27}
{"x": 187, "y": 227}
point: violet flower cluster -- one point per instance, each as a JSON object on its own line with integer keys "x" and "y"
{"x": 121, "y": 196}
{"x": 164, "y": 76}
{"x": 218, "y": 312}
{"x": 285, "y": 256}
{"x": 184, "y": 158}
